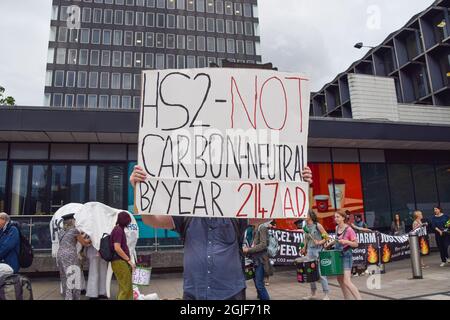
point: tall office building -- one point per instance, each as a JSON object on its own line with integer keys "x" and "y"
{"x": 98, "y": 48}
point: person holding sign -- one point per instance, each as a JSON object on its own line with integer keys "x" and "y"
{"x": 213, "y": 268}
{"x": 346, "y": 240}
{"x": 315, "y": 239}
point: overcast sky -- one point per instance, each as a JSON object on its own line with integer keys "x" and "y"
{"x": 311, "y": 36}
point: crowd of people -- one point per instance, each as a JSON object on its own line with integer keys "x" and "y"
{"x": 214, "y": 251}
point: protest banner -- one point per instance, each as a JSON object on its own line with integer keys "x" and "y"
{"x": 227, "y": 143}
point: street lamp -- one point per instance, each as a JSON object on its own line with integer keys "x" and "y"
{"x": 361, "y": 45}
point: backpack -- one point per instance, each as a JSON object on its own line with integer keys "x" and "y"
{"x": 25, "y": 254}
{"x": 106, "y": 251}
{"x": 15, "y": 287}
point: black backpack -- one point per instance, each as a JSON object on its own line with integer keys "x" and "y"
{"x": 106, "y": 251}
{"x": 26, "y": 254}
{"x": 15, "y": 287}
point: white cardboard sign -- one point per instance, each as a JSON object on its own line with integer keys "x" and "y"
{"x": 223, "y": 143}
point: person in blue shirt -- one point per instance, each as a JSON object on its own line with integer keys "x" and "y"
{"x": 212, "y": 254}
{"x": 9, "y": 243}
{"x": 442, "y": 238}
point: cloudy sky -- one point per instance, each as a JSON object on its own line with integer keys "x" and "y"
{"x": 311, "y": 36}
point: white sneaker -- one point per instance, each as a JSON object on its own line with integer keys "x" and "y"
{"x": 442, "y": 264}
{"x": 326, "y": 297}
{"x": 310, "y": 297}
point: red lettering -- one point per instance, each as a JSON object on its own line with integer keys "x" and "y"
{"x": 285, "y": 103}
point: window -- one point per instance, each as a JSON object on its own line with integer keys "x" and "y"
{"x": 92, "y": 101}
{"x": 238, "y": 9}
{"x": 61, "y": 56}
{"x": 81, "y": 100}
{"x": 230, "y": 46}
{"x": 140, "y": 19}
{"x": 211, "y": 60}
{"x": 190, "y": 62}
{"x": 82, "y": 79}
{"x": 150, "y": 19}
{"x": 151, "y": 3}
{"x": 115, "y": 81}
{"x": 160, "y": 40}
{"x": 126, "y": 81}
{"x": 191, "y": 42}
{"x": 63, "y": 14}
{"x": 190, "y": 5}
{"x": 171, "y": 23}
{"x": 149, "y": 60}
{"x": 136, "y": 102}
{"x": 181, "y": 22}
{"x": 159, "y": 61}
{"x": 118, "y": 17}
{"x": 126, "y": 102}
{"x": 201, "y": 62}
{"x": 117, "y": 59}
{"x": 170, "y": 61}
{"x": 161, "y": 4}
{"x": 48, "y": 78}
{"x": 103, "y": 102}
{"x": 240, "y": 47}
{"x": 220, "y": 45}
{"x": 95, "y": 58}
{"x": 425, "y": 187}
{"x": 93, "y": 80}
{"x": 248, "y": 29}
{"x": 181, "y": 42}
{"x": 247, "y": 10}
{"x": 83, "y": 59}
{"x": 128, "y": 38}
{"x": 51, "y": 55}
{"x": 127, "y": 59}
{"x": 120, "y": 2}
{"x": 170, "y": 41}
{"x": 181, "y": 62}
{"x": 129, "y": 18}
{"x": 249, "y": 48}
{"x": 104, "y": 80}
{"x": 106, "y": 58}
{"x": 210, "y": 25}
{"x": 115, "y": 102}
{"x": 200, "y": 5}
{"x": 230, "y": 26}
{"x": 86, "y": 15}
{"x": 220, "y": 26}
{"x": 138, "y": 62}
{"x": 95, "y": 36}
{"x": 401, "y": 187}
{"x": 62, "y": 35}
{"x": 57, "y": 100}
{"x": 69, "y": 100}
{"x": 97, "y": 17}
{"x": 181, "y": 5}
{"x": 160, "y": 20}
{"x": 72, "y": 56}
{"x": 73, "y": 35}
{"x": 52, "y": 33}
{"x": 118, "y": 37}
{"x": 108, "y": 16}
{"x": 200, "y": 24}
{"x": 137, "y": 82}
{"x": 149, "y": 39}
{"x": 139, "y": 39}
{"x": 107, "y": 37}
{"x": 239, "y": 27}
{"x": 210, "y": 6}
{"x": 219, "y": 6}
{"x": 170, "y": 4}
{"x": 443, "y": 183}
{"x": 228, "y": 8}
{"x": 211, "y": 44}
{"x": 70, "y": 79}
{"x": 191, "y": 23}
{"x": 130, "y": 2}
{"x": 54, "y": 14}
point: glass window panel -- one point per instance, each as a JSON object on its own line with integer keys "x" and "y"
{"x": 115, "y": 102}
{"x": 425, "y": 188}
{"x": 181, "y": 22}
{"x": 78, "y": 184}
{"x": 228, "y": 8}
{"x": 190, "y": 62}
{"x": 443, "y": 182}
{"x": 57, "y": 100}
{"x": 160, "y": 20}
{"x": 115, "y": 186}
{"x": 230, "y": 26}
{"x": 210, "y": 25}
{"x": 200, "y": 24}
{"x": 129, "y": 38}
{"x": 181, "y": 5}
{"x": 129, "y": 18}
{"x": 61, "y": 56}
{"x": 190, "y": 5}
{"x": 115, "y": 81}
{"x": 96, "y": 36}
{"x": 219, "y": 6}
{"x": 126, "y": 84}
{"x": 139, "y": 39}
{"x": 181, "y": 64}
{"x": 70, "y": 79}
{"x": 171, "y": 22}
{"x": 238, "y": 9}
{"x": 170, "y": 44}
{"x": 118, "y": 37}
{"x": 150, "y": 19}
{"x": 118, "y": 17}
{"x": 161, "y": 4}
{"x": 200, "y": 5}
{"x": 159, "y": 61}
{"x": 191, "y": 23}
{"x": 103, "y": 101}
{"x": 248, "y": 28}
{"x": 97, "y": 16}
{"x": 191, "y": 42}
{"x": 140, "y": 19}
{"x": 220, "y": 25}
{"x": 220, "y": 45}
{"x": 106, "y": 58}
{"x": 108, "y": 16}
{"x": 97, "y": 184}
{"x": 117, "y": 59}
{"x": 181, "y": 42}
{"x": 95, "y": 58}
{"x": 128, "y": 59}
{"x": 72, "y": 56}
{"x": 126, "y": 102}
{"x": 59, "y": 78}
{"x": 107, "y": 35}
{"x": 402, "y": 193}
{"x": 62, "y": 35}
{"x": 230, "y": 46}
{"x": 149, "y": 39}
{"x": 170, "y": 4}
{"x": 81, "y": 100}
{"x": 92, "y": 101}
{"x": 59, "y": 195}
{"x": 86, "y": 16}
{"x": 104, "y": 80}
{"x": 247, "y": 10}
{"x": 38, "y": 194}
{"x": 82, "y": 79}
{"x": 149, "y": 60}
{"x": 210, "y": 6}
{"x": 19, "y": 189}
{"x": 93, "y": 79}
{"x": 138, "y": 60}
{"x": 160, "y": 40}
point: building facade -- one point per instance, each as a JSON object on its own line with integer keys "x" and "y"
{"x": 98, "y": 48}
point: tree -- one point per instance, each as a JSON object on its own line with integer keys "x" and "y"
{"x": 6, "y": 100}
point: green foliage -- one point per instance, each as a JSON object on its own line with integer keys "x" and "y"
{"x": 6, "y": 100}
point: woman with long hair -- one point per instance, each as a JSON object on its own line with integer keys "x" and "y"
{"x": 397, "y": 226}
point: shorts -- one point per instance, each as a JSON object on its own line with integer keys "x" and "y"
{"x": 347, "y": 258}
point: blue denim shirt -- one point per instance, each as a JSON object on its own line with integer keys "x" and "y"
{"x": 212, "y": 262}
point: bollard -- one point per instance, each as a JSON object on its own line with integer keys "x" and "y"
{"x": 415, "y": 255}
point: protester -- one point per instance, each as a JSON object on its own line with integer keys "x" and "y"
{"x": 417, "y": 223}
{"x": 212, "y": 251}
{"x": 397, "y": 226}
{"x": 346, "y": 240}
{"x": 96, "y": 285}
{"x": 360, "y": 225}
{"x": 260, "y": 257}
{"x": 9, "y": 246}
{"x": 122, "y": 264}
{"x": 442, "y": 238}
{"x": 67, "y": 257}
{"x": 315, "y": 239}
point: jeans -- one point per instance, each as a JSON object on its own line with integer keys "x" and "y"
{"x": 313, "y": 253}
{"x": 442, "y": 243}
{"x": 259, "y": 282}
{"x": 237, "y": 297}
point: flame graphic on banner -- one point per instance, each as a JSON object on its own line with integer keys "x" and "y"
{"x": 424, "y": 249}
{"x": 372, "y": 255}
{"x": 386, "y": 254}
